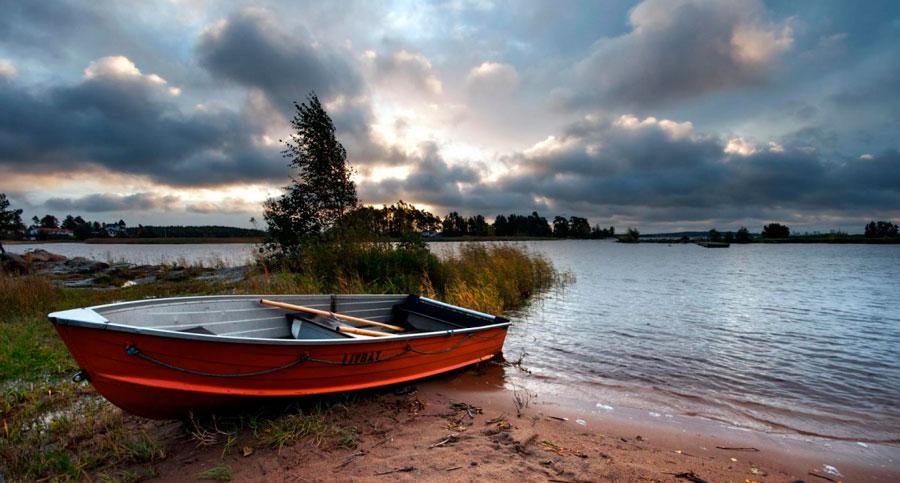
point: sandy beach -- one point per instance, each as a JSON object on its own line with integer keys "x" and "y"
{"x": 463, "y": 427}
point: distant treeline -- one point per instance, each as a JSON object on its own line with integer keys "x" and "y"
{"x": 49, "y": 227}
{"x": 403, "y": 218}
{"x": 875, "y": 232}
{"x": 213, "y": 231}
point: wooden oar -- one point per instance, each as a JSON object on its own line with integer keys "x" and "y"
{"x": 354, "y": 330}
{"x": 325, "y": 313}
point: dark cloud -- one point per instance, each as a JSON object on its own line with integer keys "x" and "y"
{"x": 40, "y": 26}
{"x": 658, "y": 165}
{"x": 657, "y": 170}
{"x": 98, "y": 203}
{"x": 251, "y": 48}
{"x": 431, "y": 179}
{"x": 129, "y": 122}
{"x": 679, "y": 50}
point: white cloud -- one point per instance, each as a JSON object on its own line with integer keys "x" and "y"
{"x": 112, "y": 66}
{"x": 757, "y": 45}
{"x": 404, "y": 69}
{"x": 121, "y": 67}
{"x": 674, "y": 130}
{"x": 740, "y": 146}
{"x": 679, "y": 49}
{"x": 7, "y": 69}
{"x": 493, "y": 78}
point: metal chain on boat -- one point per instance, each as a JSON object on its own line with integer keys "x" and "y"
{"x": 133, "y": 351}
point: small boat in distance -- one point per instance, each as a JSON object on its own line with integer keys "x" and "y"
{"x": 167, "y": 358}
{"x": 713, "y": 244}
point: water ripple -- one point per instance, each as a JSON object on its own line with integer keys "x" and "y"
{"x": 781, "y": 338}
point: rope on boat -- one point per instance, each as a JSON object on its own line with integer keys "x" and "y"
{"x": 132, "y": 350}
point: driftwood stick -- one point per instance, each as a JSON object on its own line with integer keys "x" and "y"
{"x": 404, "y": 469}
{"x": 819, "y": 475}
{"x": 325, "y": 313}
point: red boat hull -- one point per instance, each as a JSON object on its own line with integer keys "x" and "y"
{"x": 165, "y": 377}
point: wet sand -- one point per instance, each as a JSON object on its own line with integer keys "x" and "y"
{"x": 464, "y": 427}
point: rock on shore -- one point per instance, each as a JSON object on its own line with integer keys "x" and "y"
{"x": 80, "y": 272}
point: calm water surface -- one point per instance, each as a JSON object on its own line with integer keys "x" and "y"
{"x": 785, "y": 338}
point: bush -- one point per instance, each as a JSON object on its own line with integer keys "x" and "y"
{"x": 776, "y": 230}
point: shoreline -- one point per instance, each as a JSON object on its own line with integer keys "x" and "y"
{"x": 258, "y": 240}
{"x": 140, "y": 241}
{"x": 463, "y": 427}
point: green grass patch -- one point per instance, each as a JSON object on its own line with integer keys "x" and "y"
{"x": 65, "y": 431}
{"x": 216, "y": 473}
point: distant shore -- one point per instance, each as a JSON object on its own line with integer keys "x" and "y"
{"x": 144, "y": 241}
{"x": 856, "y": 240}
{"x": 849, "y": 240}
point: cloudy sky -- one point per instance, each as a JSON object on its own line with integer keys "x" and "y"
{"x": 664, "y": 114}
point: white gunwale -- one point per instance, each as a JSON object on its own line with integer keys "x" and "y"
{"x": 90, "y": 318}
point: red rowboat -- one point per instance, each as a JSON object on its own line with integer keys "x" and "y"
{"x": 166, "y": 358}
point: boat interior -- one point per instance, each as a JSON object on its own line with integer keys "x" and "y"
{"x": 247, "y": 317}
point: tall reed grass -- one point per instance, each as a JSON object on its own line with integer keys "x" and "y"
{"x": 495, "y": 278}
{"x": 25, "y": 295}
{"x": 488, "y": 277}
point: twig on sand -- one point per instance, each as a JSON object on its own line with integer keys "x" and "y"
{"x": 499, "y": 418}
{"x": 558, "y": 418}
{"x": 736, "y": 448}
{"x": 819, "y": 475}
{"x": 468, "y": 408}
{"x": 405, "y": 469}
{"x": 454, "y": 468}
{"x": 688, "y": 475}
{"x": 450, "y": 439}
{"x": 350, "y": 458}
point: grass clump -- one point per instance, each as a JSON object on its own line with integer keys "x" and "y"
{"x": 495, "y": 278}
{"x": 25, "y": 295}
{"x": 65, "y": 431}
{"x": 216, "y": 473}
{"x": 314, "y": 425}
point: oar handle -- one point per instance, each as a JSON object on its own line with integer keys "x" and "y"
{"x": 325, "y": 313}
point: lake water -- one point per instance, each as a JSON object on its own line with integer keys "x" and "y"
{"x": 800, "y": 339}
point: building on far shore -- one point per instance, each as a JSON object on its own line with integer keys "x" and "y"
{"x": 115, "y": 229}
{"x": 40, "y": 233}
